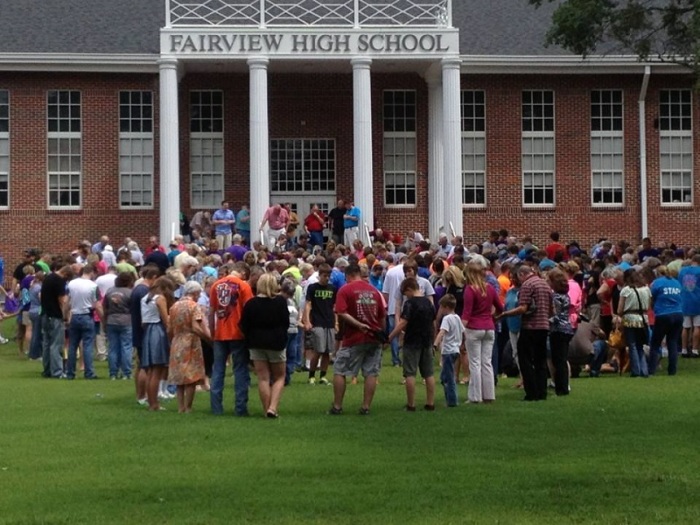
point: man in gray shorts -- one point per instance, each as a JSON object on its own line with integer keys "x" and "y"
{"x": 319, "y": 322}
{"x": 361, "y": 310}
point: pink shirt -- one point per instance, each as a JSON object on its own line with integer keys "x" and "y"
{"x": 575, "y": 298}
{"x": 478, "y": 309}
{"x": 277, "y": 221}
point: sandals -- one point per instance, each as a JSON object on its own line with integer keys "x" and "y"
{"x": 271, "y": 414}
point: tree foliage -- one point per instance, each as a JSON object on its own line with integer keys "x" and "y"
{"x": 668, "y": 30}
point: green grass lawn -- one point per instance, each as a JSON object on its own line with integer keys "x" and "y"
{"x": 617, "y": 450}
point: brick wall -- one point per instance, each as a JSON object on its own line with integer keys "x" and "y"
{"x": 320, "y": 106}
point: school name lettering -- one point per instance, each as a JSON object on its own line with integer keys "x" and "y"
{"x": 332, "y": 44}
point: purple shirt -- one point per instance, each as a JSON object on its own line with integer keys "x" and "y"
{"x": 478, "y": 309}
{"x": 238, "y": 251}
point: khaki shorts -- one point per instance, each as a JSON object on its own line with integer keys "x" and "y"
{"x": 26, "y": 320}
{"x": 351, "y": 359}
{"x": 271, "y": 356}
{"x": 691, "y": 321}
{"x": 415, "y": 359}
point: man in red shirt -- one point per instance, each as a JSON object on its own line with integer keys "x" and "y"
{"x": 313, "y": 224}
{"x": 226, "y": 300}
{"x": 555, "y": 247}
{"x": 362, "y": 313}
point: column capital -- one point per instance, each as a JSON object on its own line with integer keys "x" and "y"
{"x": 258, "y": 62}
{"x": 451, "y": 63}
{"x": 168, "y": 63}
{"x": 361, "y": 62}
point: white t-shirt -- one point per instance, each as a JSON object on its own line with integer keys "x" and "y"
{"x": 105, "y": 282}
{"x": 454, "y": 331}
{"x": 392, "y": 286}
{"x": 83, "y": 295}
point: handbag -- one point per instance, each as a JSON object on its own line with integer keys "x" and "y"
{"x": 642, "y": 312}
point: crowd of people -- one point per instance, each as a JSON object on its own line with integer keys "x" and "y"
{"x": 174, "y": 320}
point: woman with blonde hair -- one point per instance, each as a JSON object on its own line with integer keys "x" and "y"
{"x": 480, "y": 300}
{"x": 264, "y": 324}
{"x": 187, "y": 326}
{"x": 453, "y": 282}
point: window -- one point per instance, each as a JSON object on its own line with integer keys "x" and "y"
{"x": 301, "y": 165}
{"x": 4, "y": 148}
{"x": 607, "y": 147}
{"x": 399, "y": 152}
{"x": 64, "y": 149}
{"x": 538, "y": 148}
{"x": 136, "y": 149}
{"x": 206, "y": 148}
{"x": 676, "y": 146}
{"x": 473, "y": 148}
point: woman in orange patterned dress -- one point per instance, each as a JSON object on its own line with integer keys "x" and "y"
{"x": 187, "y": 325}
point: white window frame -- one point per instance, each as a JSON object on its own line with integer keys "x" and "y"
{"x": 406, "y": 172}
{"x": 132, "y": 136}
{"x": 5, "y": 137}
{"x": 685, "y": 136}
{"x": 212, "y": 137}
{"x": 614, "y": 135}
{"x": 306, "y": 175}
{"x": 58, "y": 135}
{"x": 529, "y": 135}
{"x": 473, "y": 136}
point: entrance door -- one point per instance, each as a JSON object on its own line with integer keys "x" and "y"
{"x": 301, "y": 205}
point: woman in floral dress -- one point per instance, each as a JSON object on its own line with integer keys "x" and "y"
{"x": 187, "y": 326}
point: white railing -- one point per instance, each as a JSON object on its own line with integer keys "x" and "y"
{"x": 308, "y": 13}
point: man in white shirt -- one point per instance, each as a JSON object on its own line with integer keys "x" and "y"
{"x": 392, "y": 283}
{"x": 82, "y": 293}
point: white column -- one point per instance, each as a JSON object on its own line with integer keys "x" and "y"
{"x": 436, "y": 187}
{"x": 169, "y": 152}
{"x": 259, "y": 144}
{"x": 362, "y": 151}
{"x": 452, "y": 141}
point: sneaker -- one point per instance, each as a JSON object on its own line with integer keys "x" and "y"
{"x": 685, "y": 353}
{"x": 143, "y": 402}
{"x": 335, "y": 411}
{"x": 312, "y": 381}
{"x": 694, "y": 353}
{"x": 3, "y": 340}
{"x": 323, "y": 381}
{"x": 550, "y": 384}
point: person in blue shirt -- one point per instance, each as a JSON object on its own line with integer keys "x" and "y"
{"x": 689, "y": 278}
{"x": 351, "y": 223}
{"x": 668, "y": 323}
{"x": 243, "y": 224}
{"x": 223, "y": 221}
{"x": 338, "y": 273}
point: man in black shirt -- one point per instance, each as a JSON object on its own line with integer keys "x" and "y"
{"x": 335, "y": 222}
{"x": 55, "y": 312}
{"x": 319, "y": 322}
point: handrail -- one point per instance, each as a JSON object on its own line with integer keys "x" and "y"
{"x": 308, "y": 13}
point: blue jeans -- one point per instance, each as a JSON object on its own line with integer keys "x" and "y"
{"x": 81, "y": 328}
{"x": 35, "y": 350}
{"x": 636, "y": 339}
{"x": 447, "y": 378}
{"x": 316, "y": 239}
{"x": 119, "y": 356}
{"x": 52, "y": 337}
{"x": 669, "y": 326}
{"x": 395, "y": 356}
{"x": 600, "y": 355}
{"x": 292, "y": 357}
{"x": 241, "y": 375}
